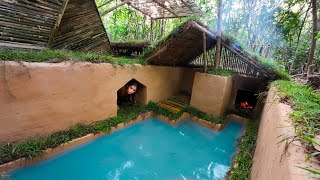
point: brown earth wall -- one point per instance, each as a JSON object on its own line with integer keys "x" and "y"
{"x": 40, "y": 98}
{"x": 277, "y": 156}
{"x": 211, "y": 93}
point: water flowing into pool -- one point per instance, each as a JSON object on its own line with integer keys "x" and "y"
{"x": 150, "y": 149}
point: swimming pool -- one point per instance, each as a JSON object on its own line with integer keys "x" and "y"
{"x": 150, "y": 149}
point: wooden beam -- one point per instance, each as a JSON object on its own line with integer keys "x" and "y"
{"x": 169, "y": 17}
{"x": 134, "y": 7}
{"x": 57, "y": 24}
{"x": 187, "y": 6}
{"x": 105, "y": 31}
{"x": 114, "y": 7}
{"x": 204, "y": 39}
{"x": 202, "y": 29}
{"x": 165, "y": 7}
{"x": 105, "y": 3}
{"x": 20, "y": 45}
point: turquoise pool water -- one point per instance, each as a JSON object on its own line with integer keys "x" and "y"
{"x": 147, "y": 150}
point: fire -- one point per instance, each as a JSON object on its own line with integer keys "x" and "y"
{"x": 246, "y": 105}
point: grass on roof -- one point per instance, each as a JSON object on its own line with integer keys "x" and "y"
{"x": 48, "y": 55}
{"x": 281, "y": 72}
{"x": 176, "y": 31}
{"x": 229, "y": 39}
{"x": 219, "y": 72}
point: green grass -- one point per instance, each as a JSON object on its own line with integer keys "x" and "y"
{"x": 173, "y": 33}
{"x": 281, "y": 72}
{"x": 306, "y": 105}
{"x": 176, "y": 30}
{"x": 244, "y": 158}
{"x": 220, "y": 72}
{"x": 163, "y": 111}
{"x": 48, "y": 55}
{"x": 306, "y": 115}
{"x": 36, "y": 146}
{"x": 195, "y": 112}
{"x": 189, "y": 109}
{"x": 229, "y": 39}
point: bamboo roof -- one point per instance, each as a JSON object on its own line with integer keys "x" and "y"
{"x": 160, "y": 9}
{"x": 58, "y": 24}
{"x": 185, "y": 45}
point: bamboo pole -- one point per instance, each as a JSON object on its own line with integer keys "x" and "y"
{"x": 114, "y": 7}
{"x": 57, "y": 24}
{"x": 204, "y": 39}
{"x": 165, "y": 7}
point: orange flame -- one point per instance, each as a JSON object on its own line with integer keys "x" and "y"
{"x": 246, "y": 105}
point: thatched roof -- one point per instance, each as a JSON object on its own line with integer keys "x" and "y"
{"x": 181, "y": 47}
{"x": 59, "y": 24}
{"x": 186, "y": 44}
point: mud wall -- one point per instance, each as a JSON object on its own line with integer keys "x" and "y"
{"x": 188, "y": 79}
{"x": 40, "y": 98}
{"x": 274, "y": 160}
{"x": 211, "y": 93}
{"x": 250, "y": 84}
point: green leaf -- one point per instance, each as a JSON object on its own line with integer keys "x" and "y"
{"x": 310, "y": 170}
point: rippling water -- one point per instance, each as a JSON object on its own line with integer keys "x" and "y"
{"x": 147, "y": 150}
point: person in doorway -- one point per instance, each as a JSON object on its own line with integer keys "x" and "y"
{"x": 126, "y": 94}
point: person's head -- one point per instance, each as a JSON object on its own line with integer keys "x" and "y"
{"x": 132, "y": 87}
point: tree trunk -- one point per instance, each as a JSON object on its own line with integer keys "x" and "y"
{"x": 314, "y": 34}
{"x": 162, "y": 28}
{"x": 143, "y": 29}
{"x": 218, "y": 45}
{"x": 302, "y": 24}
{"x": 128, "y": 25}
{"x": 151, "y": 29}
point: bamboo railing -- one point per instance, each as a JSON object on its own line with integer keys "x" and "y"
{"x": 229, "y": 61}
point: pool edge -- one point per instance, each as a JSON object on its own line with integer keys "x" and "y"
{"x": 24, "y": 162}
